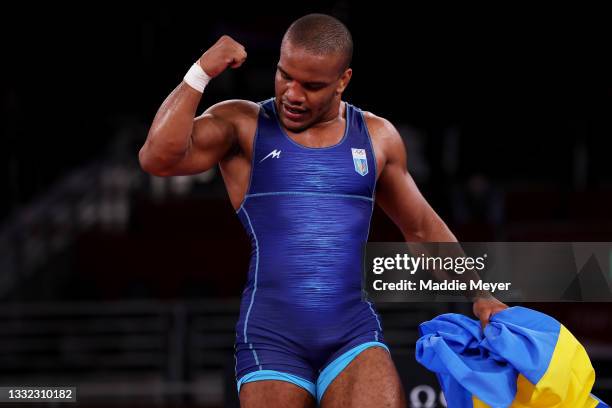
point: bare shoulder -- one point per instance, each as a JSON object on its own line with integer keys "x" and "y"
{"x": 386, "y": 140}
{"x": 236, "y": 117}
{"x": 233, "y": 110}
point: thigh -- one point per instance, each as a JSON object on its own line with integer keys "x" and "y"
{"x": 370, "y": 380}
{"x": 273, "y": 393}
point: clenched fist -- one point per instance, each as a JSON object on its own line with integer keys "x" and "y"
{"x": 225, "y": 53}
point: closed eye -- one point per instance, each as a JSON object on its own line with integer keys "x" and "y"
{"x": 311, "y": 86}
{"x": 314, "y": 87}
{"x": 284, "y": 75}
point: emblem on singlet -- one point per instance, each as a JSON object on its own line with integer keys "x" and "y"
{"x": 360, "y": 161}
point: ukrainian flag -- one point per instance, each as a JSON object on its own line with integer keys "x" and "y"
{"x": 524, "y": 358}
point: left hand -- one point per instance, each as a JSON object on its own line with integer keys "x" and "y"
{"x": 485, "y": 307}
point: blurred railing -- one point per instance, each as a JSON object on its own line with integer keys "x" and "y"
{"x": 137, "y": 351}
{"x": 98, "y": 195}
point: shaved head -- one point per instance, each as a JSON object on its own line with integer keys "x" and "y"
{"x": 321, "y": 34}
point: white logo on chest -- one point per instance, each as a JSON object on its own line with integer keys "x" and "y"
{"x": 275, "y": 154}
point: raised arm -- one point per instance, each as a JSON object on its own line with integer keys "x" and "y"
{"x": 179, "y": 143}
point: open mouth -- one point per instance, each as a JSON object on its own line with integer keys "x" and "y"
{"x": 293, "y": 113}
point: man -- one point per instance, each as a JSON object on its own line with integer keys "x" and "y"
{"x": 302, "y": 170}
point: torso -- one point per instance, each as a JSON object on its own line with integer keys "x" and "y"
{"x": 307, "y": 212}
{"x": 236, "y": 167}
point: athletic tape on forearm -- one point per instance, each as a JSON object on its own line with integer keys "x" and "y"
{"x": 197, "y": 78}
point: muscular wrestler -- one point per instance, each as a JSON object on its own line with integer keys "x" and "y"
{"x": 303, "y": 171}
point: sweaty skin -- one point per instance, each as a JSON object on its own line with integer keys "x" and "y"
{"x": 308, "y": 90}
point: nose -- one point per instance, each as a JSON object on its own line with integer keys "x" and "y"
{"x": 294, "y": 94}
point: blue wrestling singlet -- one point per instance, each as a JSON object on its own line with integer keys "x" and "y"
{"x": 307, "y": 212}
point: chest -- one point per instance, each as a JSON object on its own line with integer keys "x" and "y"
{"x": 282, "y": 165}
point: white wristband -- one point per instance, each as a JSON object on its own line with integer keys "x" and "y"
{"x": 197, "y": 78}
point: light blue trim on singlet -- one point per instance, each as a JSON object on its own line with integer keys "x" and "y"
{"x": 326, "y": 376}
{"x": 365, "y": 126}
{"x": 252, "y": 158}
{"x": 277, "y": 375}
{"x": 310, "y": 193}
{"x": 376, "y": 316}
{"x": 246, "y": 321}
{"x": 335, "y": 367}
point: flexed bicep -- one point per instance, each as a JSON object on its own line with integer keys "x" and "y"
{"x": 214, "y": 135}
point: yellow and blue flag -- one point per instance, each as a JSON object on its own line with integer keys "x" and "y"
{"x": 524, "y": 358}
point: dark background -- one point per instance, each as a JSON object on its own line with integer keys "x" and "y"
{"x": 505, "y": 114}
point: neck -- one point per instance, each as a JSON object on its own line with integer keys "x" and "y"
{"x": 335, "y": 113}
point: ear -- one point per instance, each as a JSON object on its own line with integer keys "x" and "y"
{"x": 344, "y": 80}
